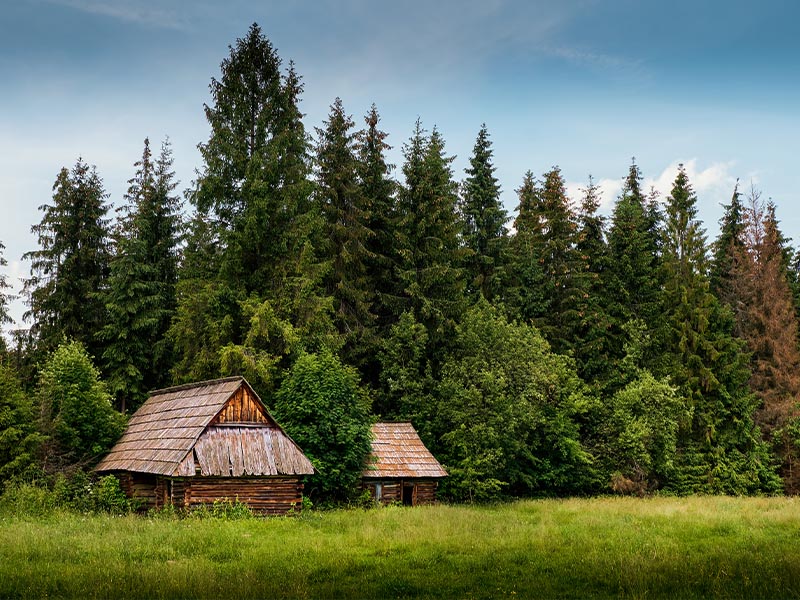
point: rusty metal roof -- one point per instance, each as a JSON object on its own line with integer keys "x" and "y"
{"x": 397, "y": 451}
{"x": 161, "y": 435}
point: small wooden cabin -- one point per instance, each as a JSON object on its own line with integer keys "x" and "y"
{"x": 194, "y": 444}
{"x": 400, "y": 468}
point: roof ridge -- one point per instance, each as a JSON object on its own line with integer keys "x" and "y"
{"x": 189, "y": 386}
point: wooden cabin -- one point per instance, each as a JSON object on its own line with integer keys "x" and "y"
{"x": 400, "y": 468}
{"x": 194, "y": 444}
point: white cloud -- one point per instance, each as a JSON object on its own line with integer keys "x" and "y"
{"x": 131, "y": 11}
{"x": 598, "y": 61}
{"x": 609, "y": 189}
{"x": 715, "y": 180}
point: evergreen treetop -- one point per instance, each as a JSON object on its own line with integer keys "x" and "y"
{"x": 484, "y": 220}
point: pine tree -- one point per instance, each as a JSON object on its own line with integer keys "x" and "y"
{"x": 379, "y": 191}
{"x": 71, "y": 268}
{"x": 141, "y": 298}
{"x": 527, "y": 293}
{"x": 266, "y": 232}
{"x": 727, "y": 248}
{"x": 720, "y": 448}
{"x": 547, "y": 263}
{"x": 346, "y": 226}
{"x": 634, "y": 270}
{"x": 255, "y": 181}
{"x": 430, "y": 280}
{"x": 592, "y": 348}
{"x": 484, "y": 221}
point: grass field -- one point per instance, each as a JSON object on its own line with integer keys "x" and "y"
{"x": 661, "y": 547}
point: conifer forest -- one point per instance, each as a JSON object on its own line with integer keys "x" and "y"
{"x": 552, "y": 351}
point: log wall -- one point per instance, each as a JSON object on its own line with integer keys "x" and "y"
{"x": 422, "y": 491}
{"x": 425, "y": 492}
{"x": 142, "y": 487}
{"x": 271, "y": 496}
{"x": 264, "y": 495}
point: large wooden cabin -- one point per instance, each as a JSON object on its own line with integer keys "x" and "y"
{"x": 400, "y": 468}
{"x": 198, "y": 443}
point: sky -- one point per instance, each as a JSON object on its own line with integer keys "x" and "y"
{"x": 582, "y": 84}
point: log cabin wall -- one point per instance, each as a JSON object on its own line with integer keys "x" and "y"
{"x": 264, "y": 495}
{"x": 390, "y": 491}
{"x": 422, "y": 491}
{"x": 141, "y": 487}
{"x": 425, "y": 492}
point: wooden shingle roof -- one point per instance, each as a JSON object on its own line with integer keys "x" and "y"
{"x": 398, "y": 452}
{"x": 162, "y": 434}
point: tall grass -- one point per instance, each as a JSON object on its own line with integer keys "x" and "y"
{"x": 661, "y": 547}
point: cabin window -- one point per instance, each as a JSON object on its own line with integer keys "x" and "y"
{"x": 378, "y": 491}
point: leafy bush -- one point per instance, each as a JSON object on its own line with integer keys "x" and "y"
{"x": 27, "y": 499}
{"x": 508, "y": 413}
{"x": 323, "y": 409}
{"x": 78, "y": 493}
{"x": 77, "y": 415}
{"x": 19, "y": 440}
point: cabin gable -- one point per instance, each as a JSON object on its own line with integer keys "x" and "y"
{"x": 243, "y": 407}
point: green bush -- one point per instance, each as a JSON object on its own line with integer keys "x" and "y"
{"x": 77, "y": 415}
{"x": 27, "y": 499}
{"x": 77, "y": 492}
{"x": 322, "y": 407}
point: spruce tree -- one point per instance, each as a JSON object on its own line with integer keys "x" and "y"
{"x": 727, "y": 247}
{"x": 592, "y": 348}
{"x": 633, "y": 277}
{"x": 484, "y": 221}
{"x": 547, "y": 263}
{"x": 430, "y": 279}
{"x": 346, "y": 227}
{"x": 70, "y": 269}
{"x": 379, "y": 192}
{"x": 266, "y": 232}
{"x": 766, "y": 320}
{"x": 527, "y": 293}
{"x": 255, "y": 180}
{"x": 141, "y": 298}
{"x": 719, "y": 449}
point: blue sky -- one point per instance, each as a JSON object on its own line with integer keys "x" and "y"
{"x": 582, "y": 84}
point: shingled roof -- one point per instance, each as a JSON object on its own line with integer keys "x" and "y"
{"x": 397, "y": 452}
{"x": 162, "y": 434}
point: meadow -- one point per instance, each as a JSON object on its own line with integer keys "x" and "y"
{"x": 638, "y": 548}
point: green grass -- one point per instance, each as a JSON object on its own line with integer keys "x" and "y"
{"x": 660, "y": 547}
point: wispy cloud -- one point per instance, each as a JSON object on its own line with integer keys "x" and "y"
{"x": 716, "y": 180}
{"x": 597, "y": 61}
{"x": 151, "y": 14}
{"x": 608, "y": 190}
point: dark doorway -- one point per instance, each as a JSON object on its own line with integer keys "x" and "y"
{"x": 408, "y": 495}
